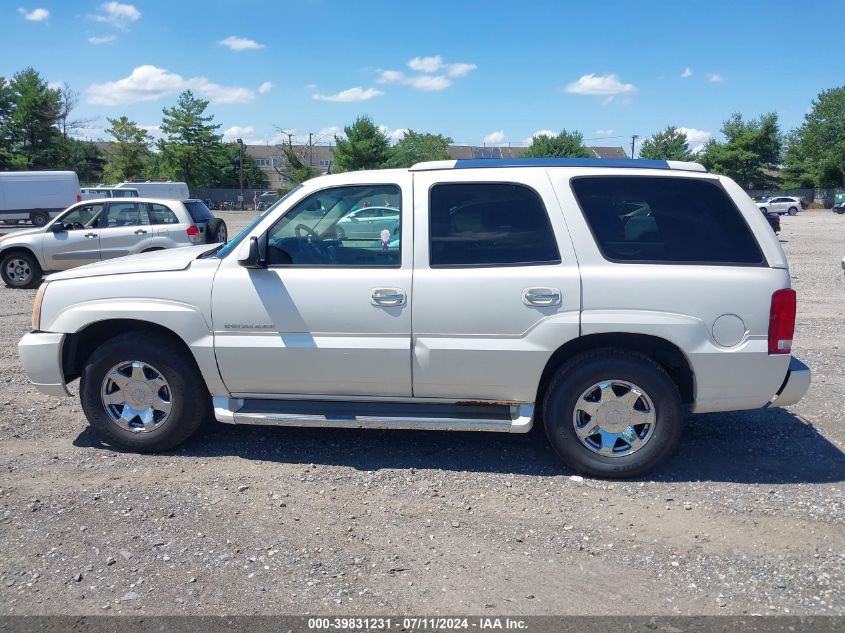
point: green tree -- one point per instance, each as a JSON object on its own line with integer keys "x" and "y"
{"x": 192, "y": 148}
{"x": 750, "y": 148}
{"x": 131, "y": 149}
{"x": 815, "y": 152}
{"x": 228, "y": 170}
{"x": 295, "y": 168}
{"x": 416, "y": 147}
{"x": 670, "y": 144}
{"x": 564, "y": 145}
{"x": 86, "y": 159}
{"x": 365, "y": 147}
{"x": 32, "y": 122}
{"x": 7, "y": 101}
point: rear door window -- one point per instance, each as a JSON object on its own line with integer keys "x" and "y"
{"x": 124, "y": 214}
{"x": 160, "y": 214}
{"x": 489, "y": 224}
{"x": 637, "y": 219}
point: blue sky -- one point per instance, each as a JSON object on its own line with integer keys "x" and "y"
{"x": 472, "y": 70}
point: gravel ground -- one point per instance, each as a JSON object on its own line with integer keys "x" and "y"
{"x": 748, "y": 517}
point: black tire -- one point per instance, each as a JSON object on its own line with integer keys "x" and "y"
{"x": 39, "y": 218}
{"x": 591, "y": 368}
{"x": 187, "y": 391}
{"x": 216, "y": 231}
{"x": 20, "y": 269}
{"x": 792, "y": 211}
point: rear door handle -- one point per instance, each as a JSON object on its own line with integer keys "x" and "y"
{"x": 387, "y": 296}
{"x": 140, "y": 232}
{"x": 90, "y": 235}
{"x": 541, "y": 297}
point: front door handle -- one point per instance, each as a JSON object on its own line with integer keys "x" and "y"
{"x": 541, "y": 297}
{"x": 140, "y": 232}
{"x": 387, "y": 296}
{"x": 90, "y": 235}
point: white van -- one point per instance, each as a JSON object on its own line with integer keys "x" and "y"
{"x": 158, "y": 189}
{"x": 95, "y": 193}
{"x": 36, "y": 195}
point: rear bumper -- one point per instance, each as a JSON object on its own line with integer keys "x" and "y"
{"x": 41, "y": 357}
{"x": 795, "y": 385}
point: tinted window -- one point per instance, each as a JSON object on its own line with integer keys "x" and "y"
{"x": 653, "y": 219}
{"x": 199, "y": 212}
{"x": 489, "y": 224}
{"x": 340, "y": 226}
{"x": 83, "y": 217}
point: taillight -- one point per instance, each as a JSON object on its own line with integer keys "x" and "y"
{"x": 78, "y": 198}
{"x": 194, "y": 233}
{"x": 782, "y": 321}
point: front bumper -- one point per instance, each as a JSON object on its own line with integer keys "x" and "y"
{"x": 41, "y": 357}
{"x": 795, "y": 385}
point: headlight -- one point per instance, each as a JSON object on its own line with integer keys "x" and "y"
{"x": 36, "y": 307}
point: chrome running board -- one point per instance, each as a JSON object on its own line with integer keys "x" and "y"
{"x": 506, "y": 418}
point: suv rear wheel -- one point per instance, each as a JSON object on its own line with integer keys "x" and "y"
{"x": 142, "y": 394}
{"x": 612, "y": 413}
{"x": 793, "y": 211}
{"x": 216, "y": 231}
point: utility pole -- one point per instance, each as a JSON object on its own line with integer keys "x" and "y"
{"x": 310, "y": 152}
{"x": 241, "y": 165}
{"x": 634, "y": 138}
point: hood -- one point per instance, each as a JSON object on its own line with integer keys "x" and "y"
{"x": 20, "y": 233}
{"x": 155, "y": 262}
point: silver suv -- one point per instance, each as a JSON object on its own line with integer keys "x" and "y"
{"x": 603, "y": 299}
{"x": 95, "y": 230}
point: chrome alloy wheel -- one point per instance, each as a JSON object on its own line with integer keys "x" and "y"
{"x": 222, "y": 236}
{"x": 136, "y": 396}
{"x": 18, "y": 270}
{"x": 614, "y": 418}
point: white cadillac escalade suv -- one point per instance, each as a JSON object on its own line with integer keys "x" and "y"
{"x": 604, "y": 299}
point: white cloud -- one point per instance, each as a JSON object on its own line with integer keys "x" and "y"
{"x": 393, "y": 135}
{"x": 593, "y": 84}
{"x": 687, "y": 73}
{"x": 55, "y": 85}
{"x": 426, "y": 64}
{"x": 36, "y": 15}
{"x": 459, "y": 70}
{"x": 714, "y": 77}
{"x": 149, "y": 83}
{"x": 240, "y": 43}
{"x": 153, "y": 130}
{"x": 105, "y": 39}
{"x": 696, "y": 138}
{"x": 350, "y": 94}
{"x": 236, "y": 131}
{"x": 496, "y": 138}
{"x": 390, "y": 76}
{"x": 601, "y": 132}
{"x": 429, "y": 83}
{"x": 117, "y": 14}
{"x": 550, "y": 133}
{"x": 266, "y": 87}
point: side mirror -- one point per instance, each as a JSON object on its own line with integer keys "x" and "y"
{"x": 57, "y": 227}
{"x": 250, "y": 254}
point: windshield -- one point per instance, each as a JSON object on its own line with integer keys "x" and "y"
{"x": 233, "y": 243}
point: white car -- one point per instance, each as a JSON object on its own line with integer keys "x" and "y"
{"x": 779, "y": 205}
{"x": 515, "y": 292}
{"x": 96, "y": 230}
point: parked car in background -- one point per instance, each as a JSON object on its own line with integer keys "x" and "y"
{"x": 93, "y": 193}
{"x": 839, "y": 203}
{"x": 773, "y": 219}
{"x": 512, "y": 294}
{"x": 36, "y": 196}
{"x": 780, "y": 205}
{"x": 157, "y": 188}
{"x": 95, "y": 230}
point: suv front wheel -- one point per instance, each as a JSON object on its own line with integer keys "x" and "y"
{"x": 612, "y": 413}
{"x": 142, "y": 393}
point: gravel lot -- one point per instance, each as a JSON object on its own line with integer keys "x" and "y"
{"x": 748, "y": 517}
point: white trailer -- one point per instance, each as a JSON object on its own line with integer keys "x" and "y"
{"x": 158, "y": 189}
{"x": 36, "y": 195}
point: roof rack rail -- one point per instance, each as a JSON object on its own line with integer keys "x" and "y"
{"x": 616, "y": 163}
{"x": 148, "y": 180}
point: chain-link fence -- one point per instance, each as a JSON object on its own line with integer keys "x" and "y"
{"x": 219, "y": 198}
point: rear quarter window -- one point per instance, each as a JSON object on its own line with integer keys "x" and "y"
{"x": 199, "y": 212}
{"x": 638, "y": 219}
